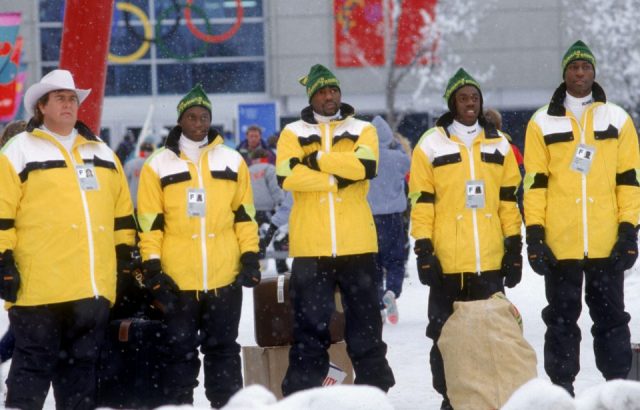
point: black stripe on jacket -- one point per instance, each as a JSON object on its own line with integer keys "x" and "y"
{"x": 174, "y": 179}
{"x": 40, "y": 165}
{"x": 628, "y": 177}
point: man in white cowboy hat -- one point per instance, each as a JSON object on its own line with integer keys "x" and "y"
{"x": 65, "y": 213}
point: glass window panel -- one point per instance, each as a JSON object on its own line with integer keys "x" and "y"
{"x": 126, "y": 40}
{"x": 128, "y": 80}
{"x": 244, "y": 77}
{"x": 50, "y": 43}
{"x": 214, "y": 8}
{"x": 51, "y": 10}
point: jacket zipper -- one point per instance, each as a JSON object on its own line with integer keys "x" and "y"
{"x": 474, "y": 213}
{"x": 585, "y": 225}
{"x": 203, "y": 235}
{"x": 332, "y": 211}
{"x": 87, "y": 217}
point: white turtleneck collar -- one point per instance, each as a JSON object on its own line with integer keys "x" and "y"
{"x": 467, "y": 133}
{"x": 577, "y": 105}
{"x": 192, "y": 149}
{"x": 66, "y": 140}
{"x": 323, "y": 119}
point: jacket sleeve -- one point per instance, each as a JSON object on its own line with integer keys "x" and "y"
{"x": 244, "y": 223}
{"x": 360, "y": 164}
{"x": 422, "y": 195}
{"x": 150, "y": 213}
{"x": 292, "y": 174}
{"x": 10, "y": 193}
{"x": 536, "y": 179}
{"x": 510, "y": 218}
{"x": 272, "y": 184}
{"x": 125, "y": 223}
{"x": 628, "y": 174}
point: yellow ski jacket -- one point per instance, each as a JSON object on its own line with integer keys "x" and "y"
{"x": 200, "y": 251}
{"x": 464, "y": 239}
{"x": 63, "y": 237}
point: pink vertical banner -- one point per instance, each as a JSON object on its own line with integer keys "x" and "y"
{"x": 10, "y": 49}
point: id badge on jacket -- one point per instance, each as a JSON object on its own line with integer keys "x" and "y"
{"x": 583, "y": 158}
{"x": 86, "y": 174}
{"x": 196, "y": 202}
{"x": 474, "y": 194}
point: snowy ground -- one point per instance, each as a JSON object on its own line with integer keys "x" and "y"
{"x": 408, "y": 346}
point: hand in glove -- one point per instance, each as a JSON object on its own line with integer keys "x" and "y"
{"x": 10, "y": 277}
{"x": 311, "y": 161}
{"x": 625, "y": 250}
{"x": 162, "y": 287}
{"x": 266, "y": 235}
{"x": 249, "y": 275}
{"x": 512, "y": 261}
{"x": 128, "y": 259}
{"x": 541, "y": 258}
{"x": 429, "y": 269}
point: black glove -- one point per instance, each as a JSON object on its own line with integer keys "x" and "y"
{"x": 625, "y": 250}
{"x": 311, "y": 161}
{"x": 541, "y": 258}
{"x": 429, "y": 269}
{"x": 10, "y": 276}
{"x": 162, "y": 287}
{"x": 128, "y": 259}
{"x": 512, "y": 261}
{"x": 265, "y": 240}
{"x": 249, "y": 275}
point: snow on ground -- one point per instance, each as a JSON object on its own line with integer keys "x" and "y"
{"x": 408, "y": 356}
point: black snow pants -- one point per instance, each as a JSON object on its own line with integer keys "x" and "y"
{"x": 312, "y": 286}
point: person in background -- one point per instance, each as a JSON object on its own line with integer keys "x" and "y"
{"x": 133, "y": 167}
{"x": 494, "y": 117}
{"x": 387, "y": 200}
{"x": 63, "y": 235}
{"x": 252, "y": 142}
{"x": 126, "y": 147}
{"x": 11, "y": 129}
{"x": 267, "y": 197}
{"x": 199, "y": 246}
{"x": 326, "y": 160}
{"x": 464, "y": 216}
{"x": 582, "y": 203}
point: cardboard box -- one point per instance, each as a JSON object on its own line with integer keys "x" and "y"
{"x": 268, "y": 365}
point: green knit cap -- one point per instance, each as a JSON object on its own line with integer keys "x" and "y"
{"x": 195, "y": 97}
{"x": 578, "y": 51}
{"x": 319, "y": 76}
{"x": 459, "y": 79}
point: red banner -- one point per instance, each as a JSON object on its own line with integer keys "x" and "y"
{"x": 360, "y": 32}
{"x": 11, "y": 92}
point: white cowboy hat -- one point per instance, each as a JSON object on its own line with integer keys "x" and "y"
{"x": 55, "y": 80}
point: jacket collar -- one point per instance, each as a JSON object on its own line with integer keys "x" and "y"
{"x": 345, "y": 111}
{"x": 173, "y": 139}
{"x": 83, "y": 130}
{"x": 446, "y": 119}
{"x": 556, "y": 106}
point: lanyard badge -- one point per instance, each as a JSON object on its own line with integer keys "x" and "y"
{"x": 474, "y": 194}
{"x": 196, "y": 202}
{"x": 87, "y": 178}
{"x": 583, "y": 158}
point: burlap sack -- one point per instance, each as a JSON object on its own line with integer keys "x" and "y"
{"x": 486, "y": 357}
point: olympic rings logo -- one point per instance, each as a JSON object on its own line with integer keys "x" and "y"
{"x": 148, "y": 37}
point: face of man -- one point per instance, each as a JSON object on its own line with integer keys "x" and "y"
{"x": 60, "y": 112}
{"x": 253, "y": 138}
{"x": 326, "y": 101}
{"x": 467, "y": 102}
{"x": 195, "y": 123}
{"x": 579, "y": 77}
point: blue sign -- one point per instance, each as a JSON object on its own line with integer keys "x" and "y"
{"x": 261, "y": 114}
